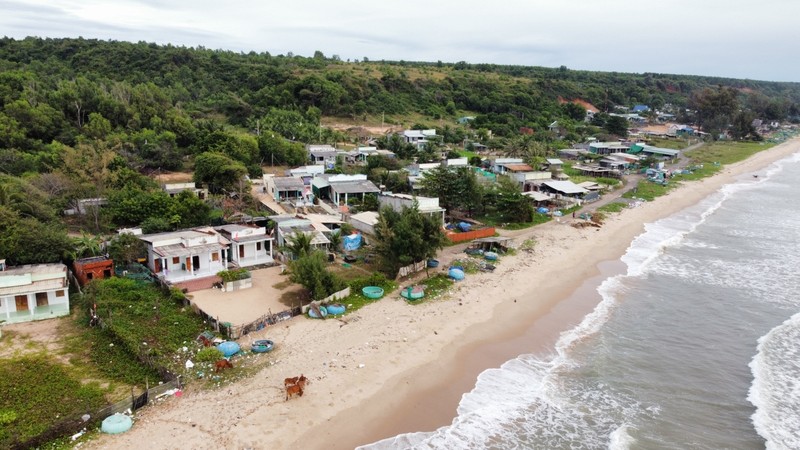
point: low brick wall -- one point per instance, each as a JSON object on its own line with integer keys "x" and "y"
{"x": 470, "y": 235}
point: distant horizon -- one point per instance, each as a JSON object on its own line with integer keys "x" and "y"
{"x": 743, "y": 40}
{"x": 376, "y": 60}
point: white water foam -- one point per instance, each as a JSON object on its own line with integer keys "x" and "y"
{"x": 775, "y": 391}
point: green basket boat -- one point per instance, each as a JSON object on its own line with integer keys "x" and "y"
{"x": 372, "y": 292}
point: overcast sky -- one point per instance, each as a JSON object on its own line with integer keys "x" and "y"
{"x": 730, "y": 38}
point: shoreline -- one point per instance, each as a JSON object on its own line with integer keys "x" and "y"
{"x": 393, "y": 367}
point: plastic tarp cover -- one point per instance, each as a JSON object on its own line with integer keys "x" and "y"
{"x": 352, "y": 242}
{"x": 464, "y": 226}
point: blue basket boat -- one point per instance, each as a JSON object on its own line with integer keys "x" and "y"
{"x": 456, "y": 273}
{"x": 433, "y": 263}
{"x": 228, "y": 348}
{"x": 116, "y": 423}
{"x": 336, "y": 309}
{"x": 262, "y": 346}
{"x": 321, "y": 315}
{"x": 490, "y": 256}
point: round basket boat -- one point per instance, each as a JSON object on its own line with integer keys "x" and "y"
{"x": 228, "y": 348}
{"x": 372, "y": 292}
{"x": 490, "y": 256}
{"x": 413, "y": 293}
{"x": 262, "y": 346}
{"x": 456, "y": 274}
{"x": 336, "y": 309}
{"x": 322, "y": 313}
{"x": 116, "y": 423}
{"x": 433, "y": 263}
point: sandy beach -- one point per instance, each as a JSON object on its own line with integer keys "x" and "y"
{"x": 392, "y": 367}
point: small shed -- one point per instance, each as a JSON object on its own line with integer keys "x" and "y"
{"x": 92, "y": 268}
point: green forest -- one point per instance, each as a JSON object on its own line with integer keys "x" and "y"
{"x": 83, "y": 118}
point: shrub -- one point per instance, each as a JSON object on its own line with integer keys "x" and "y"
{"x": 233, "y": 275}
{"x": 209, "y": 354}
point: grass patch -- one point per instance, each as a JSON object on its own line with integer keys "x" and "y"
{"x": 143, "y": 322}
{"x": 613, "y": 207}
{"x": 649, "y": 191}
{"x": 37, "y": 393}
{"x": 726, "y": 152}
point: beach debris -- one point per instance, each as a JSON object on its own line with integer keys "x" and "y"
{"x": 361, "y": 366}
{"x": 189, "y": 364}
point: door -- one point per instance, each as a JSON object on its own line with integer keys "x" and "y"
{"x": 22, "y": 302}
{"x": 196, "y": 262}
{"x": 41, "y": 298}
{"x": 241, "y": 251}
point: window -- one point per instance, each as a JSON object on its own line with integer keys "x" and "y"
{"x": 176, "y": 260}
{"x": 215, "y": 256}
{"x": 60, "y": 293}
{"x": 41, "y": 299}
{"x": 89, "y": 275}
{"x": 258, "y": 245}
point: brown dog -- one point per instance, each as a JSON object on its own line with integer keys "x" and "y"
{"x": 222, "y": 364}
{"x": 294, "y": 389}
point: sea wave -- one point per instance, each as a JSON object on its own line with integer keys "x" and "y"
{"x": 775, "y": 391}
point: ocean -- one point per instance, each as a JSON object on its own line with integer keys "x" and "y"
{"x": 696, "y": 346}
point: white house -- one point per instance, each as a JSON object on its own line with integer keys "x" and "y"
{"x": 339, "y": 188}
{"x": 174, "y": 189}
{"x": 425, "y": 205}
{"x": 33, "y": 292}
{"x": 187, "y": 254}
{"x": 250, "y": 245}
{"x": 364, "y": 221}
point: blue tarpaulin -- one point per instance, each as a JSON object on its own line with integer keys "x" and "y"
{"x": 542, "y": 210}
{"x": 464, "y": 226}
{"x": 352, "y": 242}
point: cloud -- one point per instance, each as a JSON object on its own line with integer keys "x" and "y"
{"x": 735, "y": 38}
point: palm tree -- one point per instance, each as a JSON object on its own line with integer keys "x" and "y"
{"x": 87, "y": 245}
{"x": 299, "y": 244}
{"x": 336, "y": 241}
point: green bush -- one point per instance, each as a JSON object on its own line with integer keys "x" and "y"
{"x": 209, "y": 354}
{"x": 234, "y": 275}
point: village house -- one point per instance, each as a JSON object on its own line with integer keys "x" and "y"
{"x": 174, "y": 189}
{"x": 417, "y": 137}
{"x": 340, "y": 188}
{"x": 33, "y": 292}
{"x": 425, "y": 205}
{"x": 287, "y": 227}
{"x": 563, "y": 189}
{"x": 289, "y": 189}
{"x": 657, "y": 152}
{"x": 187, "y": 255}
{"x": 364, "y": 221}
{"x": 322, "y": 154}
{"x": 249, "y": 245}
{"x": 92, "y": 268}
{"x": 500, "y": 165}
{"x": 606, "y": 148}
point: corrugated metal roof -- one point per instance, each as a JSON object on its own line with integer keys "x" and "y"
{"x": 567, "y": 187}
{"x": 354, "y": 187}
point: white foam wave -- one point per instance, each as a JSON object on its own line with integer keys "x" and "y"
{"x": 621, "y": 439}
{"x": 775, "y": 391}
